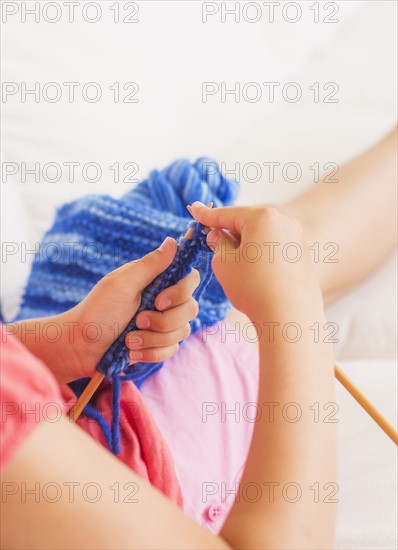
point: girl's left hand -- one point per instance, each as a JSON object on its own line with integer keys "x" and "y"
{"x": 105, "y": 312}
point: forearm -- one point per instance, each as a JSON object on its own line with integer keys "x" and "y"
{"x": 358, "y": 213}
{"x": 126, "y": 512}
{"x": 287, "y": 458}
{"x": 51, "y": 339}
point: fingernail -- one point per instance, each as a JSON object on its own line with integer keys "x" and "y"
{"x": 165, "y": 244}
{"x": 137, "y": 355}
{"x": 165, "y": 303}
{"x": 198, "y": 204}
{"x": 144, "y": 322}
{"x": 135, "y": 342}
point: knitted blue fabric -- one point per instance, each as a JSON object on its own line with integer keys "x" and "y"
{"x": 94, "y": 235}
{"x": 116, "y": 359}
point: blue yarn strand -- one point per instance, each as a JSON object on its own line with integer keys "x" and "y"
{"x": 115, "y": 429}
{"x": 116, "y": 359}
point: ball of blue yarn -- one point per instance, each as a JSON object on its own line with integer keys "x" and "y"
{"x": 96, "y": 234}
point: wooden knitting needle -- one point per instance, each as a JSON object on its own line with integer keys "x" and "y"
{"x": 85, "y": 397}
{"x": 98, "y": 377}
{"x": 189, "y": 208}
{"x": 366, "y": 404}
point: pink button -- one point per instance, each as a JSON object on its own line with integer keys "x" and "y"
{"x": 214, "y": 512}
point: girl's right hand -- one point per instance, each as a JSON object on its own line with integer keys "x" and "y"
{"x": 262, "y": 262}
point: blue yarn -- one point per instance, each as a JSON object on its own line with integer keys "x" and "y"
{"x": 116, "y": 414}
{"x": 116, "y": 359}
{"x": 90, "y": 411}
{"x": 105, "y": 233}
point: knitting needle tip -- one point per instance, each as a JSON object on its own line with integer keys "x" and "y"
{"x": 188, "y": 235}
{"x": 189, "y": 208}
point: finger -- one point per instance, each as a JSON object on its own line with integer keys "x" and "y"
{"x": 220, "y": 241}
{"x": 147, "y": 268}
{"x": 153, "y": 355}
{"x": 171, "y": 319}
{"x": 179, "y": 293}
{"x": 228, "y": 217}
{"x": 142, "y": 339}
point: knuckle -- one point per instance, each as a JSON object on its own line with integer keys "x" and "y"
{"x": 117, "y": 273}
{"x": 186, "y": 331}
{"x": 174, "y": 349}
{"x": 153, "y": 356}
{"x": 265, "y": 213}
{"x": 144, "y": 261}
{"x": 260, "y": 218}
{"x": 107, "y": 281}
{"x": 296, "y": 227}
{"x": 148, "y": 260}
{"x": 194, "y": 308}
{"x": 195, "y": 277}
{"x": 161, "y": 323}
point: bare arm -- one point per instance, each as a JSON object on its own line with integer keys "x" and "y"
{"x": 294, "y": 375}
{"x": 281, "y": 452}
{"x": 290, "y": 460}
{"x": 63, "y": 455}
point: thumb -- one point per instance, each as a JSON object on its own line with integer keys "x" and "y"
{"x": 147, "y": 268}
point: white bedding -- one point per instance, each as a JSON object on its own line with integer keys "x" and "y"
{"x": 176, "y": 53}
{"x": 367, "y": 510}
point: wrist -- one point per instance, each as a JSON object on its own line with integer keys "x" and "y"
{"x": 58, "y": 352}
{"x": 287, "y": 311}
{"x": 290, "y": 319}
{"x": 70, "y": 363}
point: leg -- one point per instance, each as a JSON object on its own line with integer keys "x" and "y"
{"x": 358, "y": 214}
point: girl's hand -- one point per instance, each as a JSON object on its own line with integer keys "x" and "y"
{"x": 105, "y": 312}
{"x": 262, "y": 262}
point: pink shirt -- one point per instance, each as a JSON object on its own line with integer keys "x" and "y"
{"x": 204, "y": 401}
{"x": 29, "y": 395}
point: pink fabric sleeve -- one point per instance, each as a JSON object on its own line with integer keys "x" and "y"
{"x": 29, "y": 395}
{"x": 144, "y": 448}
